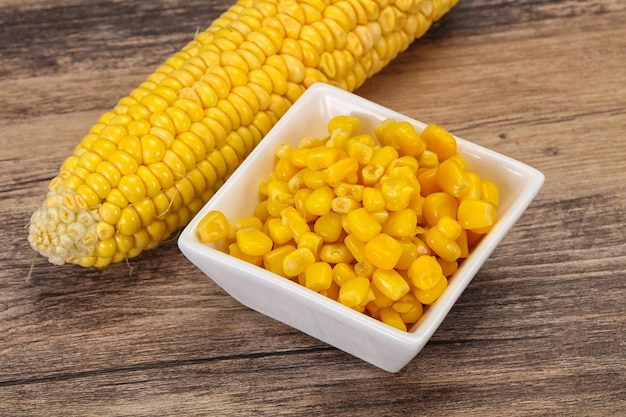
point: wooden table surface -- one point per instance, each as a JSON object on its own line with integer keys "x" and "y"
{"x": 541, "y": 330}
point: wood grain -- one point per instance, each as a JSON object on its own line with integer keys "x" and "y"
{"x": 540, "y": 331}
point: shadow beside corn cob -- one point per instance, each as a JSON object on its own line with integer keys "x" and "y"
{"x": 147, "y": 166}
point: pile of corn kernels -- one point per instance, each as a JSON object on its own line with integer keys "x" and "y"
{"x": 377, "y": 224}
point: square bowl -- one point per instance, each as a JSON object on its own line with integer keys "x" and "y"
{"x": 314, "y": 314}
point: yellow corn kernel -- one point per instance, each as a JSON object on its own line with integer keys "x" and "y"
{"x": 428, "y": 159}
{"x": 448, "y": 268}
{"x": 390, "y": 283}
{"x": 331, "y": 292}
{"x": 442, "y": 245}
{"x": 477, "y": 215}
{"x": 298, "y": 157}
{"x": 277, "y": 231}
{"x": 318, "y": 276}
{"x": 463, "y": 242}
{"x": 354, "y": 292}
{"x": 278, "y": 191}
{"x": 373, "y": 199}
{"x": 296, "y": 262}
{"x": 427, "y": 179}
{"x": 328, "y": 227}
{"x": 235, "y": 251}
{"x": 364, "y": 268}
{"x": 362, "y": 225}
{"x": 391, "y": 317}
{"x": 260, "y": 210}
{"x": 438, "y": 205}
{"x": 380, "y": 299}
{"x": 355, "y": 246}
{"x": 410, "y": 252}
{"x": 295, "y": 222}
{"x": 353, "y": 191}
{"x": 214, "y": 226}
{"x": 243, "y": 223}
{"x": 253, "y": 242}
{"x": 360, "y": 151}
{"x": 397, "y": 193}
{"x": 474, "y": 190}
{"x": 425, "y": 272}
{"x": 401, "y": 223}
{"x": 452, "y": 178}
{"x": 427, "y": 297}
{"x": 407, "y": 139}
{"x": 450, "y": 227}
{"x": 334, "y": 253}
{"x": 342, "y": 273}
{"x": 275, "y": 208}
{"x": 284, "y": 170}
{"x": 439, "y": 141}
{"x": 273, "y": 260}
{"x": 384, "y": 132}
{"x": 372, "y": 172}
{"x": 383, "y": 251}
{"x": 345, "y": 169}
{"x": 409, "y": 308}
{"x": 312, "y": 178}
{"x": 321, "y": 157}
{"x": 320, "y": 201}
{"x": 344, "y": 205}
{"x": 348, "y": 124}
{"x": 490, "y": 193}
{"x": 312, "y": 241}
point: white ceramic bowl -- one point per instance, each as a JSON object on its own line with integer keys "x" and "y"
{"x": 318, "y": 316}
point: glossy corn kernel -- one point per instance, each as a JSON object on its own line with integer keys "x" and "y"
{"x": 320, "y": 200}
{"x": 235, "y": 251}
{"x": 248, "y": 222}
{"x": 311, "y": 241}
{"x": 452, "y": 178}
{"x": 372, "y": 199}
{"x": 253, "y": 242}
{"x": 214, "y": 226}
{"x": 298, "y": 225}
{"x": 438, "y": 205}
{"x": 401, "y": 223}
{"x": 427, "y": 297}
{"x": 342, "y": 273}
{"x": 425, "y": 272}
{"x": 391, "y": 317}
{"x": 490, "y": 193}
{"x": 277, "y": 231}
{"x": 318, "y": 276}
{"x": 390, "y": 283}
{"x": 355, "y": 246}
{"x": 442, "y": 245}
{"x": 334, "y": 253}
{"x": 397, "y": 193}
{"x": 439, "y": 141}
{"x": 273, "y": 260}
{"x": 345, "y": 123}
{"x": 321, "y": 157}
{"x": 328, "y": 227}
{"x": 354, "y": 292}
{"x": 477, "y": 215}
{"x": 362, "y": 225}
{"x": 383, "y": 251}
{"x": 297, "y": 261}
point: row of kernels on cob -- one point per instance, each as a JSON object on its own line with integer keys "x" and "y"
{"x": 147, "y": 166}
{"x": 328, "y": 215}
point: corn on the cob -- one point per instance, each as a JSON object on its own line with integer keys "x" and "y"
{"x": 147, "y": 166}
